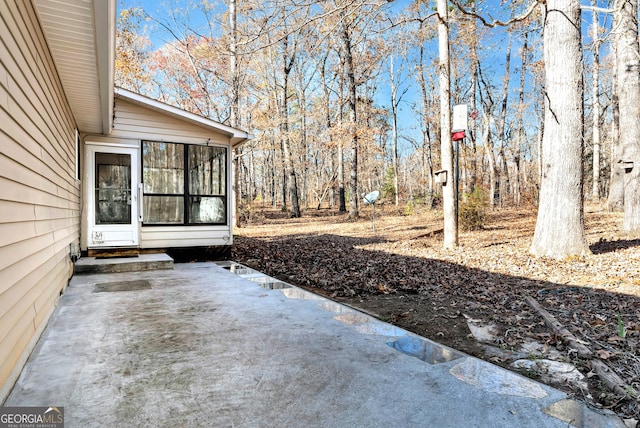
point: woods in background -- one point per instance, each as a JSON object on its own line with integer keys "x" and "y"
{"x": 343, "y": 97}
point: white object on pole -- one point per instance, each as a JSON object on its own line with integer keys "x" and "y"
{"x": 371, "y": 198}
{"x": 460, "y": 118}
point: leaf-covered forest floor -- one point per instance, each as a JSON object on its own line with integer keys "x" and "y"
{"x": 400, "y": 273}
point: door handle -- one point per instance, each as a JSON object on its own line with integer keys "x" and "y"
{"x": 140, "y": 202}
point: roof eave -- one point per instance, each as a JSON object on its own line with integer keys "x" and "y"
{"x": 236, "y": 136}
{"x": 80, "y": 36}
{"x": 237, "y": 142}
{"x": 106, "y": 52}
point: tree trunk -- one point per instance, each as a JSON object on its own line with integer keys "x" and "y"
{"x": 351, "y": 88}
{"x": 303, "y": 152}
{"x": 327, "y": 123}
{"x": 291, "y": 186}
{"x": 540, "y": 136}
{"x": 394, "y": 111}
{"x": 503, "y": 172}
{"x": 426, "y": 140}
{"x": 486, "y": 143}
{"x": 252, "y": 192}
{"x": 444, "y": 70}
{"x": 494, "y": 179}
{"x": 272, "y": 168}
{"x": 595, "y": 93}
{"x": 615, "y": 199}
{"x": 233, "y": 118}
{"x": 342, "y": 201}
{"x": 473, "y": 84}
{"x": 559, "y": 229}
{"x": 502, "y": 126}
{"x": 517, "y": 150}
{"x": 628, "y": 56}
{"x": 285, "y": 179}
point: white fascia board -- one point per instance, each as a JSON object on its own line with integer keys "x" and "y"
{"x": 105, "y": 27}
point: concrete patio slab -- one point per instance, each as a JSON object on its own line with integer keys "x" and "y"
{"x": 202, "y": 346}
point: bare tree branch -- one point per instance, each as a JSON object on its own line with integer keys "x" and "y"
{"x": 497, "y": 23}
{"x": 407, "y": 21}
{"x": 598, "y": 9}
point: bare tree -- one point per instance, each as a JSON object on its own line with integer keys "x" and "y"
{"x": 615, "y": 199}
{"x": 473, "y": 85}
{"x": 291, "y": 185}
{"x": 426, "y": 124}
{"x": 235, "y": 106}
{"x": 345, "y": 34}
{"x": 519, "y": 141}
{"x": 502, "y": 124}
{"x": 559, "y": 231}
{"x": 488, "y": 104}
{"x": 444, "y": 73}
{"x": 397, "y": 93}
{"x": 595, "y": 94}
{"x": 628, "y": 75}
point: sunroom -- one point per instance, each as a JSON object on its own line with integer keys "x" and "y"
{"x": 160, "y": 180}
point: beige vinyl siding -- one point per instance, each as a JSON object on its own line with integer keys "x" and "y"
{"x": 39, "y": 196}
{"x": 135, "y": 121}
{"x": 183, "y": 236}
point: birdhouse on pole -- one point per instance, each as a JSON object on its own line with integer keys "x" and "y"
{"x": 459, "y": 122}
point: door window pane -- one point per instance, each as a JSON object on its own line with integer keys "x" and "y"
{"x": 113, "y": 188}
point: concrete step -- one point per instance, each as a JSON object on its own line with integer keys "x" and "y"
{"x": 142, "y": 262}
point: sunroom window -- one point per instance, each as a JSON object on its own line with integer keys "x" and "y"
{"x": 173, "y": 197}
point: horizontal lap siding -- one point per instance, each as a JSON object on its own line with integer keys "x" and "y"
{"x": 134, "y": 121}
{"x": 39, "y": 196}
{"x": 166, "y": 237}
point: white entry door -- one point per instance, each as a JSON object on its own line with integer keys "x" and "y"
{"x": 112, "y": 196}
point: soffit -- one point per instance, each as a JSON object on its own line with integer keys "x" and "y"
{"x": 81, "y": 38}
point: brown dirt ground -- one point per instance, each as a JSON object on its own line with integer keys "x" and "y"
{"x": 400, "y": 273}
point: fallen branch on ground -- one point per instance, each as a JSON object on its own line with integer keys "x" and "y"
{"x": 613, "y": 381}
{"x": 604, "y": 372}
{"x": 552, "y": 322}
{"x": 428, "y": 234}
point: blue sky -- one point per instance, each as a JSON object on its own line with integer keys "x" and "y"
{"x": 492, "y": 46}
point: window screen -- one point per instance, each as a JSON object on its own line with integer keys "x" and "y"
{"x": 172, "y": 196}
